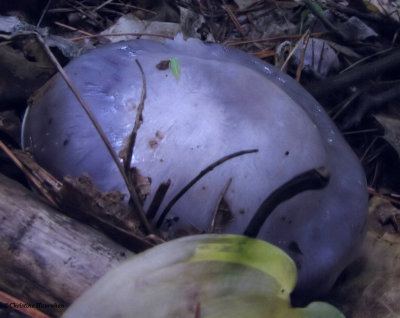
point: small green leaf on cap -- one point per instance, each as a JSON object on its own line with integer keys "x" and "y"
{"x": 174, "y": 66}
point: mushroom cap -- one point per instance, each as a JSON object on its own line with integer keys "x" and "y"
{"x": 222, "y": 102}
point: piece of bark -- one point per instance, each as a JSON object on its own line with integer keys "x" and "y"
{"x": 46, "y": 257}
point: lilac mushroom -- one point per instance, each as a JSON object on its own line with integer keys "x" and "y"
{"x": 222, "y": 102}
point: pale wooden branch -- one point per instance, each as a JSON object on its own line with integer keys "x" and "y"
{"x": 46, "y": 257}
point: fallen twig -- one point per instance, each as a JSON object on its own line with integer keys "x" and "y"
{"x": 197, "y": 178}
{"x": 310, "y": 180}
{"x": 356, "y": 76}
{"x": 120, "y": 34}
{"x": 157, "y": 199}
{"x": 28, "y": 174}
{"x": 129, "y": 153}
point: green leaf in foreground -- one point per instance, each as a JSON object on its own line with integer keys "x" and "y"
{"x": 200, "y": 276}
{"x": 250, "y": 253}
